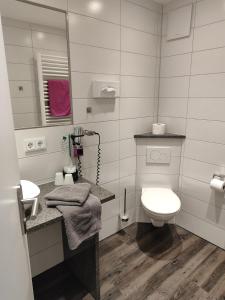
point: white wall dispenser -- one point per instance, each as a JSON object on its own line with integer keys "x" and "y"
{"x": 105, "y": 89}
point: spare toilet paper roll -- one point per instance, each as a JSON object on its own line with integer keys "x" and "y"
{"x": 159, "y": 128}
{"x": 217, "y": 185}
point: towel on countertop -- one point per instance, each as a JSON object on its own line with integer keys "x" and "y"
{"x": 59, "y": 97}
{"x": 77, "y": 194}
{"x": 81, "y": 222}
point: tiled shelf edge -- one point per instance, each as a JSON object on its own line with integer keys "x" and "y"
{"x": 150, "y": 135}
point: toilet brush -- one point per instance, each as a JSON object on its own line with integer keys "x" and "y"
{"x": 125, "y": 217}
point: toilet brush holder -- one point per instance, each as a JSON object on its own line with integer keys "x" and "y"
{"x": 124, "y": 217}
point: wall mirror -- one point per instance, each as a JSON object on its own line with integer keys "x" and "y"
{"x": 37, "y": 54}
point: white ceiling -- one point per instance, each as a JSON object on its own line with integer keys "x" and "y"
{"x": 32, "y": 14}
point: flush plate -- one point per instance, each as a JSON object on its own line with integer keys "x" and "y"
{"x": 158, "y": 155}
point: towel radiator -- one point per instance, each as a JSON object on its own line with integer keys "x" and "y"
{"x": 51, "y": 67}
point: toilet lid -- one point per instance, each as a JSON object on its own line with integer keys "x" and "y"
{"x": 160, "y": 200}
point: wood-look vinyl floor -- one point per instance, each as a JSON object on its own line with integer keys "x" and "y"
{"x": 143, "y": 262}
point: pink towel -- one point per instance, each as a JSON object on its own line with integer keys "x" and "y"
{"x": 59, "y": 97}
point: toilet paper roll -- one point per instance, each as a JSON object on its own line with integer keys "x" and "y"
{"x": 217, "y": 185}
{"x": 159, "y": 128}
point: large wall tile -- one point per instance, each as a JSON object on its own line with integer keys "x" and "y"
{"x": 18, "y": 54}
{"x": 20, "y": 72}
{"x": 49, "y": 41}
{"x": 208, "y": 11}
{"x": 127, "y": 166}
{"x": 205, "y": 130}
{"x": 139, "y": 42}
{"x": 142, "y": 87}
{"x": 178, "y": 65}
{"x": 94, "y": 60}
{"x": 199, "y": 170}
{"x": 207, "y": 86}
{"x": 173, "y": 107}
{"x": 17, "y": 36}
{"x": 104, "y": 9}
{"x": 210, "y": 36}
{"x": 127, "y": 148}
{"x": 207, "y": 108}
{"x": 174, "y": 87}
{"x": 136, "y": 108}
{"x": 140, "y": 18}
{"x": 138, "y": 65}
{"x": 208, "y": 61}
{"x": 89, "y": 31}
{"x": 205, "y": 151}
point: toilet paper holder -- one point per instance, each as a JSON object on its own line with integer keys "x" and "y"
{"x": 220, "y": 176}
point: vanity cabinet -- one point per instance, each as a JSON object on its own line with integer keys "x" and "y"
{"x": 58, "y": 272}
{"x": 45, "y": 248}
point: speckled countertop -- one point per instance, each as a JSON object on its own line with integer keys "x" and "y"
{"x": 48, "y": 215}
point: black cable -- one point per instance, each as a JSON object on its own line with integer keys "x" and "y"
{"x": 98, "y": 159}
{"x": 79, "y": 167}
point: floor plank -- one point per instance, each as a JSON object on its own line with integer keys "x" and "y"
{"x": 143, "y": 262}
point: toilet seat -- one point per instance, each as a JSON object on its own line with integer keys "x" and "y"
{"x": 160, "y": 201}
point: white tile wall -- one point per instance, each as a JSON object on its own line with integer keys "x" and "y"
{"x": 191, "y": 102}
{"x": 103, "y": 48}
{"x": 200, "y": 58}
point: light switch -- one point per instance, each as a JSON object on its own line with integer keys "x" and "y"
{"x": 158, "y": 155}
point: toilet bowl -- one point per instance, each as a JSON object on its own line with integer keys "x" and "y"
{"x": 161, "y": 204}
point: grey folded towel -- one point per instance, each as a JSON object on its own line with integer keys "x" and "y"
{"x": 76, "y": 193}
{"x": 81, "y": 222}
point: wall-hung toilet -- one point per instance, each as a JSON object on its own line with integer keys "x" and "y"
{"x": 161, "y": 204}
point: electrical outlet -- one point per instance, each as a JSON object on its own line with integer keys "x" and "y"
{"x": 29, "y": 145}
{"x": 35, "y": 144}
{"x": 40, "y": 143}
